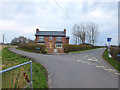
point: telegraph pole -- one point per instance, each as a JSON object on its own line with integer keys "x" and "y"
{"x": 3, "y": 38}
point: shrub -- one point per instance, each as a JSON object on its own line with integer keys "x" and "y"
{"x": 32, "y": 47}
{"x": 114, "y": 52}
{"x": 45, "y": 51}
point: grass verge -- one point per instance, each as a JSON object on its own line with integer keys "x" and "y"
{"x": 15, "y": 78}
{"x": 81, "y": 50}
{"x": 111, "y": 61}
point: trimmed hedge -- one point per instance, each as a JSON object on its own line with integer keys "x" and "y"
{"x": 114, "y": 52}
{"x": 71, "y": 47}
{"x": 32, "y": 47}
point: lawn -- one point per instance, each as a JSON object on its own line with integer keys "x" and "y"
{"x": 81, "y": 50}
{"x": 15, "y": 78}
{"x": 111, "y": 61}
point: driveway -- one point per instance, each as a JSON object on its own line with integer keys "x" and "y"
{"x": 81, "y": 70}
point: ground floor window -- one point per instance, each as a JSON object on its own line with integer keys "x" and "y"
{"x": 58, "y": 45}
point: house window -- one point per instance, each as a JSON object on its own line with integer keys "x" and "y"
{"x": 41, "y": 38}
{"x": 58, "y": 45}
{"x": 50, "y": 38}
{"x": 58, "y": 38}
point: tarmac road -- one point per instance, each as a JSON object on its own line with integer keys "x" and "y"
{"x": 81, "y": 70}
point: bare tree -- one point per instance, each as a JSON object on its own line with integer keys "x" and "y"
{"x": 92, "y": 32}
{"x": 79, "y": 32}
{"x": 84, "y": 31}
{"x": 21, "y": 40}
{"x": 75, "y": 35}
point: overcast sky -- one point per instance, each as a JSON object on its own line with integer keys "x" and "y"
{"x": 22, "y": 18}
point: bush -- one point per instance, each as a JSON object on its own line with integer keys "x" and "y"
{"x": 32, "y": 47}
{"x": 45, "y": 51}
{"x": 114, "y": 52}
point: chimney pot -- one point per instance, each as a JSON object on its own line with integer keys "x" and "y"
{"x": 65, "y": 31}
{"x": 37, "y": 30}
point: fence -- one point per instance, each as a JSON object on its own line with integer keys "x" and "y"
{"x": 11, "y": 68}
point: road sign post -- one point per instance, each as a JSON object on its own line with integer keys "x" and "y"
{"x": 109, "y": 40}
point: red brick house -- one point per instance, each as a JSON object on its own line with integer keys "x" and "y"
{"x": 53, "y": 40}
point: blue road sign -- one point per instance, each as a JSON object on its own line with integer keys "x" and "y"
{"x": 109, "y": 39}
{"x": 37, "y": 47}
{"x": 118, "y": 55}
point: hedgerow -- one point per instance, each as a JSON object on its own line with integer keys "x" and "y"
{"x": 71, "y": 47}
{"x": 114, "y": 52}
{"x": 32, "y": 47}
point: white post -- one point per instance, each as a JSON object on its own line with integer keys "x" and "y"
{"x": 108, "y": 49}
{"x": 31, "y": 86}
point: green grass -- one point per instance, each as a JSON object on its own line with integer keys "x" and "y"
{"x": 15, "y": 78}
{"x": 111, "y": 61}
{"x": 81, "y": 50}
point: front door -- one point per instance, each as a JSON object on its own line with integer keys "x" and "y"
{"x": 55, "y": 50}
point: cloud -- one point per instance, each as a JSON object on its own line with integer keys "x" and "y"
{"x": 25, "y": 17}
{"x": 7, "y": 25}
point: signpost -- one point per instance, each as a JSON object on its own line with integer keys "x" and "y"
{"x": 109, "y": 40}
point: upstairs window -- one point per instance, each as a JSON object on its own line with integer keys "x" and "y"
{"x": 41, "y": 38}
{"x": 59, "y": 38}
{"x": 50, "y": 38}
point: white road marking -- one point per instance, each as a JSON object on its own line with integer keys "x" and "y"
{"x": 83, "y": 62}
{"x": 94, "y": 64}
{"x": 98, "y": 66}
{"x": 92, "y": 59}
{"x": 117, "y": 73}
{"x": 83, "y": 57}
{"x": 112, "y": 70}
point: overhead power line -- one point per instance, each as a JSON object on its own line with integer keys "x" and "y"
{"x": 63, "y": 11}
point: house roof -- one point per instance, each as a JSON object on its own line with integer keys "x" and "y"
{"x": 67, "y": 37}
{"x": 50, "y": 33}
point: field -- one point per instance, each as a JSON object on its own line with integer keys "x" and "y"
{"x": 15, "y": 78}
{"x": 3, "y": 46}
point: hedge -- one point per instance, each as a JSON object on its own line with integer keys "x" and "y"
{"x": 114, "y": 52}
{"x": 32, "y": 47}
{"x": 71, "y": 47}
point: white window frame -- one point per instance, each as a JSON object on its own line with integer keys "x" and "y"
{"x": 50, "y": 38}
{"x": 58, "y": 45}
{"x": 41, "y": 39}
{"x": 41, "y": 43}
{"x": 59, "y": 38}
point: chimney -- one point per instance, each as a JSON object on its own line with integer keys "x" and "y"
{"x": 65, "y": 31}
{"x": 37, "y": 30}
